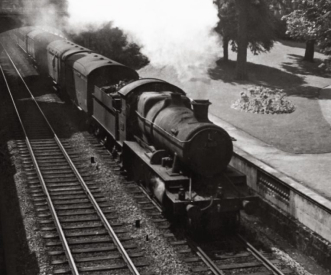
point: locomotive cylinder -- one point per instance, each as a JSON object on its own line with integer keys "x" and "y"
{"x": 167, "y": 121}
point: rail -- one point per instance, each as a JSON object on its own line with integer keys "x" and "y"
{"x": 208, "y": 261}
{"x": 58, "y": 226}
{"x": 97, "y": 208}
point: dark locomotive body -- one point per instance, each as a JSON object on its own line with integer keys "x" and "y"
{"x": 165, "y": 140}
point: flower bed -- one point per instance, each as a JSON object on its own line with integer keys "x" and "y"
{"x": 262, "y": 100}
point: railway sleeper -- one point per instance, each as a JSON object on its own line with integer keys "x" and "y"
{"x": 72, "y": 188}
{"x": 91, "y": 249}
{"x": 78, "y": 196}
{"x": 39, "y": 148}
{"x": 88, "y": 226}
{"x": 50, "y": 185}
{"x": 54, "y": 181}
{"x": 98, "y": 258}
{"x": 56, "y": 165}
{"x": 61, "y": 196}
{"x": 60, "y": 191}
{"x": 87, "y": 217}
{"x": 87, "y": 241}
{"x": 42, "y": 201}
{"x": 83, "y": 212}
{"x": 193, "y": 260}
{"x": 74, "y": 213}
{"x": 79, "y": 219}
{"x": 88, "y": 259}
{"x": 90, "y": 269}
{"x": 46, "y": 152}
{"x": 244, "y": 265}
{"x": 57, "y": 171}
{"x": 44, "y": 142}
{"x": 46, "y": 177}
{"x": 85, "y": 234}
{"x": 80, "y": 226}
{"x": 200, "y": 269}
{"x": 59, "y": 208}
{"x": 70, "y": 202}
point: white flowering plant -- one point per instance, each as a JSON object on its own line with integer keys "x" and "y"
{"x": 263, "y": 100}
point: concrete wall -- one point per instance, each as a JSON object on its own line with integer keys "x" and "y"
{"x": 293, "y": 211}
{"x": 284, "y": 194}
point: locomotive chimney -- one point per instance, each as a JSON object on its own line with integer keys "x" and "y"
{"x": 200, "y": 109}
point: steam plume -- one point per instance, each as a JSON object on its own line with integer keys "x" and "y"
{"x": 45, "y": 13}
{"x": 177, "y": 33}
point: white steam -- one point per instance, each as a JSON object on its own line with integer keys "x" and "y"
{"x": 177, "y": 33}
{"x": 43, "y": 13}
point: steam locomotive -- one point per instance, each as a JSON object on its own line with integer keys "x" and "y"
{"x": 165, "y": 139}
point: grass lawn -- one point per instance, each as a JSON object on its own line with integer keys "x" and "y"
{"x": 303, "y": 131}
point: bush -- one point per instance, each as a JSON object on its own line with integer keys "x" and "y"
{"x": 262, "y": 100}
{"x": 112, "y": 43}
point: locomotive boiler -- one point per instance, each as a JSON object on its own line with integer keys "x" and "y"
{"x": 164, "y": 139}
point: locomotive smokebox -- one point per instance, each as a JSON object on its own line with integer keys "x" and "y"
{"x": 168, "y": 122}
{"x": 200, "y": 109}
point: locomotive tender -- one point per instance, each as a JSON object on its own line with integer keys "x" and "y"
{"x": 165, "y": 139}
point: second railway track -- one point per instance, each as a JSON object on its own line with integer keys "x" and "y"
{"x": 79, "y": 226}
{"x": 231, "y": 254}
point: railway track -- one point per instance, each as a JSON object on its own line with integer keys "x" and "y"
{"x": 80, "y": 227}
{"x": 230, "y": 255}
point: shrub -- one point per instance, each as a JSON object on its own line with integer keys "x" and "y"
{"x": 113, "y": 43}
{"x": 262, "y": 100}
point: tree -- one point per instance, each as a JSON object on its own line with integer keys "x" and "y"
{"x": 311, "y": 22}
{"x": 301, "y": 27}
{"x": 228, "y": 24}
{"x": 243, "y": 24}
{"x": 242, "y": 39}
{"x": 112, "y": 43}
{"x": 324, "y": 23}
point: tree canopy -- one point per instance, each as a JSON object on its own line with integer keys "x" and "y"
{"x": 260, "y": 25}
{"x": 311, "y": 22}
{"x": 112, "y": 43}
{"x": 245, "y": 24}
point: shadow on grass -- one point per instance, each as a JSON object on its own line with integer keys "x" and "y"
{"x": 293, "y": 44}
{"x": 299, "y": 66}
{"x": 258, "y": 75}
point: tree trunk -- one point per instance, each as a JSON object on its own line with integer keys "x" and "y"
{"x": 310, "y": 49}
{"x": 225, "y": 48}
{"x": 242, "y": 40}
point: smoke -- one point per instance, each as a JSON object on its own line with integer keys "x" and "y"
{"x": 176, "y": 33}
{"x": 45, "y": 13}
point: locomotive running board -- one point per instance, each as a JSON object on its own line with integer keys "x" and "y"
{"x": 131, "y": 148}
